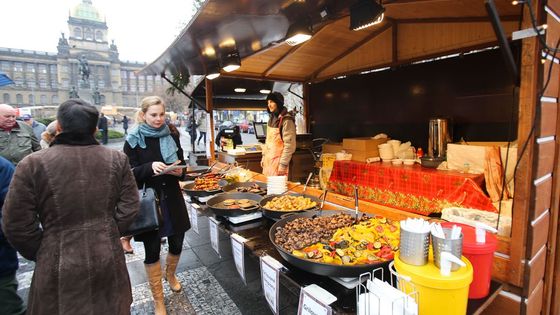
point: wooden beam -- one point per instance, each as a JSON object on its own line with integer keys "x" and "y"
{"x": 408, "y": 61}
{"x": 210, "y": 110}
{"x": 278, "y": 62}
{"x": 395, "y": 40}
{"x": 461, "y": 19}
{"x": 366, "y": 39}
{"x": 260, "y": 77}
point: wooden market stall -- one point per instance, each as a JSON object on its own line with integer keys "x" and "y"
{"x": 411, "y": 31}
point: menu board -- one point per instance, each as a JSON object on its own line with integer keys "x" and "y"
{"x": 238, "y": 250}
{"x": 214, "y": 239}
{"x": 270, "y": 278}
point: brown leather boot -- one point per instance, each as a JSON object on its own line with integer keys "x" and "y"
{"x": 170, "y": 267}
{"x": 154, "y": 278}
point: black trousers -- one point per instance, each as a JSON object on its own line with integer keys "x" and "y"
{"x": 152, "y": 246}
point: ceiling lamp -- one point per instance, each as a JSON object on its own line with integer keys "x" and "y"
{"x": 298, "y": 33}
{"x": 265, "y": 91}
{"x": 231, "y": 61}
{"x": 240, "y": 90}
{"x": 365, "y": 13}
{"x": 212, "y": 70}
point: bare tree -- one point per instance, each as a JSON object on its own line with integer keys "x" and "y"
{"x": 175, "y": 102}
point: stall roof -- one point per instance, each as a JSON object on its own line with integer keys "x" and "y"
{"x": 411, "y": 31}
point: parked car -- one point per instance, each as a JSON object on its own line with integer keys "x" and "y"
{"x": 244, "y": 126}
{"x": 226, "y": 124}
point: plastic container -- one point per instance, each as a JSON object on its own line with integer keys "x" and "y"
{"x": 481, "y": 256}
{"x": 437, "y": 294}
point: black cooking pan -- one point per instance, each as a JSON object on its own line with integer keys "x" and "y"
{"x": 214, "y": 201}
{"x": 319, "y": 268}
{"x": 199, "y": 193}
{"x": 276, "y": 214}
{"x": 233, "y": 186}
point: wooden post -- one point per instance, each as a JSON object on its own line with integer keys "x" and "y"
{"x": 210, "y": 109}
{"x": 305, "y": 92}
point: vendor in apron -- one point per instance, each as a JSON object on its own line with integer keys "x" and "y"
{"x": 280, "y": 142}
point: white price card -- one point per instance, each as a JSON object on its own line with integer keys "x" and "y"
{"x": 194, "y": 218}
{"x": 314, "y": 300}
{"x": 270, "y": 278}
{"x": 238, "y": 250}
{"x": 214, "y": 234}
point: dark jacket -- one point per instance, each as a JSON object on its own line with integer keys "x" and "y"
{"x": 8, "y": 255}
{"x": 65, "y": 209}
{"x": 102, "y": 123}
{"x": 166, "y": 186}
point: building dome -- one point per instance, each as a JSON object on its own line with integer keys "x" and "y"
{"x": 86, "y": 11}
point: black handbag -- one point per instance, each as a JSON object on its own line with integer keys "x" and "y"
{"x": 148, "y": 217}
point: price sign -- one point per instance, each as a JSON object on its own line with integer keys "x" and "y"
{"x": 270, "y": 278}
{"x": 238, "y": 250}
{"x": 311, "y": 305}
{"x": 214, "y": 234}
{"x": 194, "y": 218}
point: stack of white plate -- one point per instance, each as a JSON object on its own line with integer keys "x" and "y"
{"x": 386, "y": 152}
{"x": 276, "y": 184}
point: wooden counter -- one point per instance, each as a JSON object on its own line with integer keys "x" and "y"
{"x": 301, "y": 165}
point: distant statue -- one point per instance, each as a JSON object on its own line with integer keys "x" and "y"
{"x": 84, "y": 68}
{"x": 96, "y": 96}
{"x": 73, "y": 93}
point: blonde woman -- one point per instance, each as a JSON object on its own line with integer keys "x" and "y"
{"x": 48, "y": 135}
{"x": 151, "y": 147}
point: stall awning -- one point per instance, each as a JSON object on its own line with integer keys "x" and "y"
{"x": 410, "y": 31}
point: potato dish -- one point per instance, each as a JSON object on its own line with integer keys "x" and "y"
{"x": 370, "y": 241}
{"x": 290, "y": 203}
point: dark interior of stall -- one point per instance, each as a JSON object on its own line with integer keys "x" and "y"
{"x": 475, "y": 91}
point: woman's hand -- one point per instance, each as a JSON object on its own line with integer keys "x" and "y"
{"x": 282, "y": 170}
{"x": 177, "y": 172}
{"x": 157, "y": 167}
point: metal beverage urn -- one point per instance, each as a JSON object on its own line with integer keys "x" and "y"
{"x": 439, "y": 136}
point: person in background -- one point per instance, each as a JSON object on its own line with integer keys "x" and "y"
{"x": 202, "y": 127}
{"x": 11, "y": 302}
{"x": 69, "y": 224}
{"x": 235, "y": 137}
{"x": 48, "y": 135}
{"x": 280, "y": 142}
{"x": 125, "y": 124}
{"x": 151, "y": 146}
{"x": 16, "y": 138}
{"x": 38, "y": 127}
{"x": 103, "y": 126}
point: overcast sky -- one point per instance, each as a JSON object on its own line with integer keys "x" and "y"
{"x": 142, "y": 29}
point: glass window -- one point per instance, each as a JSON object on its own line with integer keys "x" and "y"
{"x": 43, "y": 99}
{"x": 141, "y": 84}
{"x": 18, "y": 81}
{"x": 77, "y": 32}
{"x": 55, "y": 99}
{"x": 88, "y": 34}
{"x": 6, "y": 66}
{"x": 54, "y": 83}
{"x": 30, "y": 67}
{"x": 19, "y": 99}
{"x": 98, "y": 36}
{"x": 64, "y": 69}
{"x": 42, "y": 68}
{"x": 18, "y": 66}
{"x": 102, "y": 99}
{"x": 43, "y": 83}
{"x": 31, "y": 82}
{"x": 31, "y": 99}
{"x": 101, "y": 84}
{"x": 6, "y": 98}
{"x": 124, "y": 74}
{"x": 125, "y": 101}
{"x": 65, "y": 83}
{"x": 53, "y": 69}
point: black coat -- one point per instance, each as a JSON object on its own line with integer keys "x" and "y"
{"x": 102, "y": 123}
{"x": 166, "y": 186}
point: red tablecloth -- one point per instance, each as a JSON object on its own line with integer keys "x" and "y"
{"x": 411, "y": 188}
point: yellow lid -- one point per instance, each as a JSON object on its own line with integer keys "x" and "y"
{"x": 429, "y": 275}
